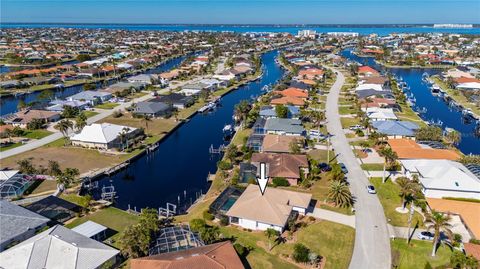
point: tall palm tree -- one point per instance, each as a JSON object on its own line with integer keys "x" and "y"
{"x": 390, "y": 158}
{"x": 271, "y": 234}
{"x": 438, "y": 222}
{"x": 175, "y": 114}
{"x": 80, "y": 122}
{"x": 241, "y": 110}
{"x": 122, "y": 136}
{"x": 340, "y": 194}
{"x": 63, "y": 126}
{"x": 453, "y": 137}
{"x": 146, "y": 119}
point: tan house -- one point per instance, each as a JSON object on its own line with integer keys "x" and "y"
{"x": 279, "y": 143}
{"x": 283, "y": 165}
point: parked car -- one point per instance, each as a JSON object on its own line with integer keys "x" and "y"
{"x": 425, "y": 236}
{"x": 324, "y": 167}
{"x": 355, "y": 127}
{"x": 343, "y": 167}
{"x": 371, "y": 189}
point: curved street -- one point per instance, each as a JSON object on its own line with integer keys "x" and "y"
{"x": 372, "y": 243}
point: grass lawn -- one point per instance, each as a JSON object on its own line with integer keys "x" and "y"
{"x": 90, "y": 114}
{"x": 240, "y": 136}
{"x": 344, "y": 110}
{"x": 66, "y": 157}
{"x": 347, "y": 122}
{"x": 320, "y": 155}
{"x": 107, "y": 105}
{"x": 319, "y": 191}
{"x": 110, "y": 217}
{"x": 10, "y": 146}
{"x": 36, "y": 134}
{"x": 457, "y": 96}
{"x": 417, "y": 254}
{"x": 388, "y": 193}
{"x": 372, "y": 166}
{"x": 45, "y": 186}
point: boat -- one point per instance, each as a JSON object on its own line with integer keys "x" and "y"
{"x": 59, "y": 86}
{"x": 228, "y": 131}
{"x": 435, "y": 88}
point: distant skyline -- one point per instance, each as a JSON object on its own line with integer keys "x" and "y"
{"x": 242, "y": 12}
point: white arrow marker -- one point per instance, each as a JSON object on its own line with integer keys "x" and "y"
{"x": 263, "y": 180}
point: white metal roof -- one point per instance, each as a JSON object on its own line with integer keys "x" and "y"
{"x": 89, "y": 229}
{"x": 101, "y": 133}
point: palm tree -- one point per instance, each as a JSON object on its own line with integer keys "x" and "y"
{"x": 340, "y": 194}
{"x": 146, "y": 118}
{"x": 175, "y": 114}
{"x": 9, "y": 134}
{"x": 63, "y": 126}
{"x": 438, "y": 222}
{"x": 121, "y": 136}
{"x": 407, "y": 189}
{"x": 390, "y": 158}
{"x": 241, "y": 110}
{"x": 271, "y": 234}
{"x": 453, "y": 137}
{"x": 80, "y": 121}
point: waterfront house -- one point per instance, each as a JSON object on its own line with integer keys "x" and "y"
{"x": 58, "y": 105}
{"x": 267, "y": 112}
{"x": 312, "y": 73}
{"x": 122, "y": 87}
{"x": 280, "y": 143}
{"x": 365, "y": 93}
{"x": 470, "y": 86}
{"x": 24, "y": 117}
{"x": 220, "y": 255}
{"x": 273, "y": 209}
{"x": 367, "y": 71}
{"x": 380, "y": 114}
{"x": 92, "y": 97}
{"x": 153, "y": 109}
{"x": 443, "y": 178}
{"x": 409, "y": 149}
{"x": 288, "y": 100}
{"x": 145, "y": 79}
{"x": 284, "y": 127}
{"x": 104, "y": 136}
{"x": 293, "y": 92}
{"x": 58, "y": 247}
{"x": 177, "y": 100}
{"x": 91, "y": 230}
{"x": 395, "y": 129}
{"x": 18, "y": 224}
{"x": 299, "y": 85}
{"x": 288, "y": 166}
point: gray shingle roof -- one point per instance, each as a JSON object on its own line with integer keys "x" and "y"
{"x": 285, "y": 125}
{"x": 390, "y": 127}
{"x": 151, "y": 107}
{"x": 15, "y": 220}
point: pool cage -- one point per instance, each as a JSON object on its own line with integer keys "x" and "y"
{"x": 175, "y": 238}
{"x": 14, "y": 186}
{"x": 224, "y": 201}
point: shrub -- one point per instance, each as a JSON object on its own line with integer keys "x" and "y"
{"x": 241, "y": 250}
{"x": 224, "y": 220}
{"x": 280, "y": 181}
{"x": 207, "y": 215}
{"x": 117, "y": 114}
{"x": 300, "y": 253}
{"x": 197, "y": 224}
{"x": 224, "y": 165}
{"x": 474, "y": 241}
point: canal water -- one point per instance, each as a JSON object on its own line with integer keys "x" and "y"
{"x": 9, "y": 104}
{"x": 177, "y": 171}
{"x": 437, "y": 109}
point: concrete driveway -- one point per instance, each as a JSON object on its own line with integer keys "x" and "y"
{"x": 372, "y": 243}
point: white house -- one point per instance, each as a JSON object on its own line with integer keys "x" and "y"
{"x": 255, "y": 211}
{"x": 443, "y": 178}
{"x": 377, "y": 113}
{"x": 472, "y": 86}
{"x": 103, "y": 136}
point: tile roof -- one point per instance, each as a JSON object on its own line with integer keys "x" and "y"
{"x": 409, "y": 149}
{"x": 220, "y": 255}
{"x": 278, "y": 143}
{"x": 472, "y": 249}
{"x": 287, "y": 100}
{"x": 274, "y": 207}
{"x": 281, "y": 165}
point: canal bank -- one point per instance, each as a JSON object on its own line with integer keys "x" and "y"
{"x": 177, "y": 171}
{"x": 436, "y": 108}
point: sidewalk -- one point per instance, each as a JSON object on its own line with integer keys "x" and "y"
{"x": 333, "y": 216}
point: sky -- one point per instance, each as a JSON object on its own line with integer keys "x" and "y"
{"x": 242, "y": 11}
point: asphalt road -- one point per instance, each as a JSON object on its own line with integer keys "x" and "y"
{"x": 372, "y": 243}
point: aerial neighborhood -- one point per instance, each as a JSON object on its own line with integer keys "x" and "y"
{"x": 222, "y": 149}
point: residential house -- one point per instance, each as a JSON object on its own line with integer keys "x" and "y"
{"x": 284, "y": 127}
{"x": 24, "y": 117}
{"x": 273, "y": 209}
{"x": 18, "y": 224}
{"x": 396, "y": 129}
{"x": 269, "y": 112}
{"x": 59, "y": 105}
{"x": 220, "y": 255}
{"x": 280, "y": 143}
{"x": 288, "y": 100}
{"x": 104, "y": 136}
{"x": 153, "y": 109}
{"x": 367, "y": 71}
{"x": 58, "y": 247}
{"x": 409, "y": 149}
{"x": 177, "y": 100}
{"x": 92, "y": 97}
{"x": 288, "y": 166}
{"x": 380, "y": 114}
{"x": 312, "y": 73}
{"x": 443, "y": 178}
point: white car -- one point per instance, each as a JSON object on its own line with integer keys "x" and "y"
{"x": 371, "y": 189}
{"x": 355, "y": 127}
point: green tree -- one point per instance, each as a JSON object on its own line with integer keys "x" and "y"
{"x": 68, "y": 176}
{"x": 430, "y": 133}
{"x": 197, "y": 224}
{"x": 134, "y": 241}
{"x": 241, "y": 111}
{"x": 46, "y": 95}
{"x": 53, "y": 168}
{"x": 390, "y": 158}
{"x": 36, "y": 124}
{"x": 300, "y": 253}
{"x": 80, "y": 121}
{"x": 26, "y": 167}
{"x": 70, "y": 112}
{"x": 231, "y": 152}
{"x": 272, "y": 236}
{"x": 280, "y": 181}
{"x": 340, "y": 194}
{"x": 64, "y": 126}
{"x": 294, "y": 147}
{"x": 453, "y": 137}
{"x": 281, "y": 111}
{"x": 89, "y": 86}
{"x": 438, "y": 222}
{"x": 149, "y": 220}
{"x": 209, "y": 234}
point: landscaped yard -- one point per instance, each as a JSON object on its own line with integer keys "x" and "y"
{"x": 388, "y": 193}
{"x": 36, "y": 134}
{"x": 90, "y": 114}
{"x": 344, "y": 110}
{"x": 417, "y": 254}
{"x": 347, "y": 122}
{"x": 319, "y": 191}
{"x": 10, "y": 146}
{"x": 320, "y": 155}
{"x": 107, "y": 105}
